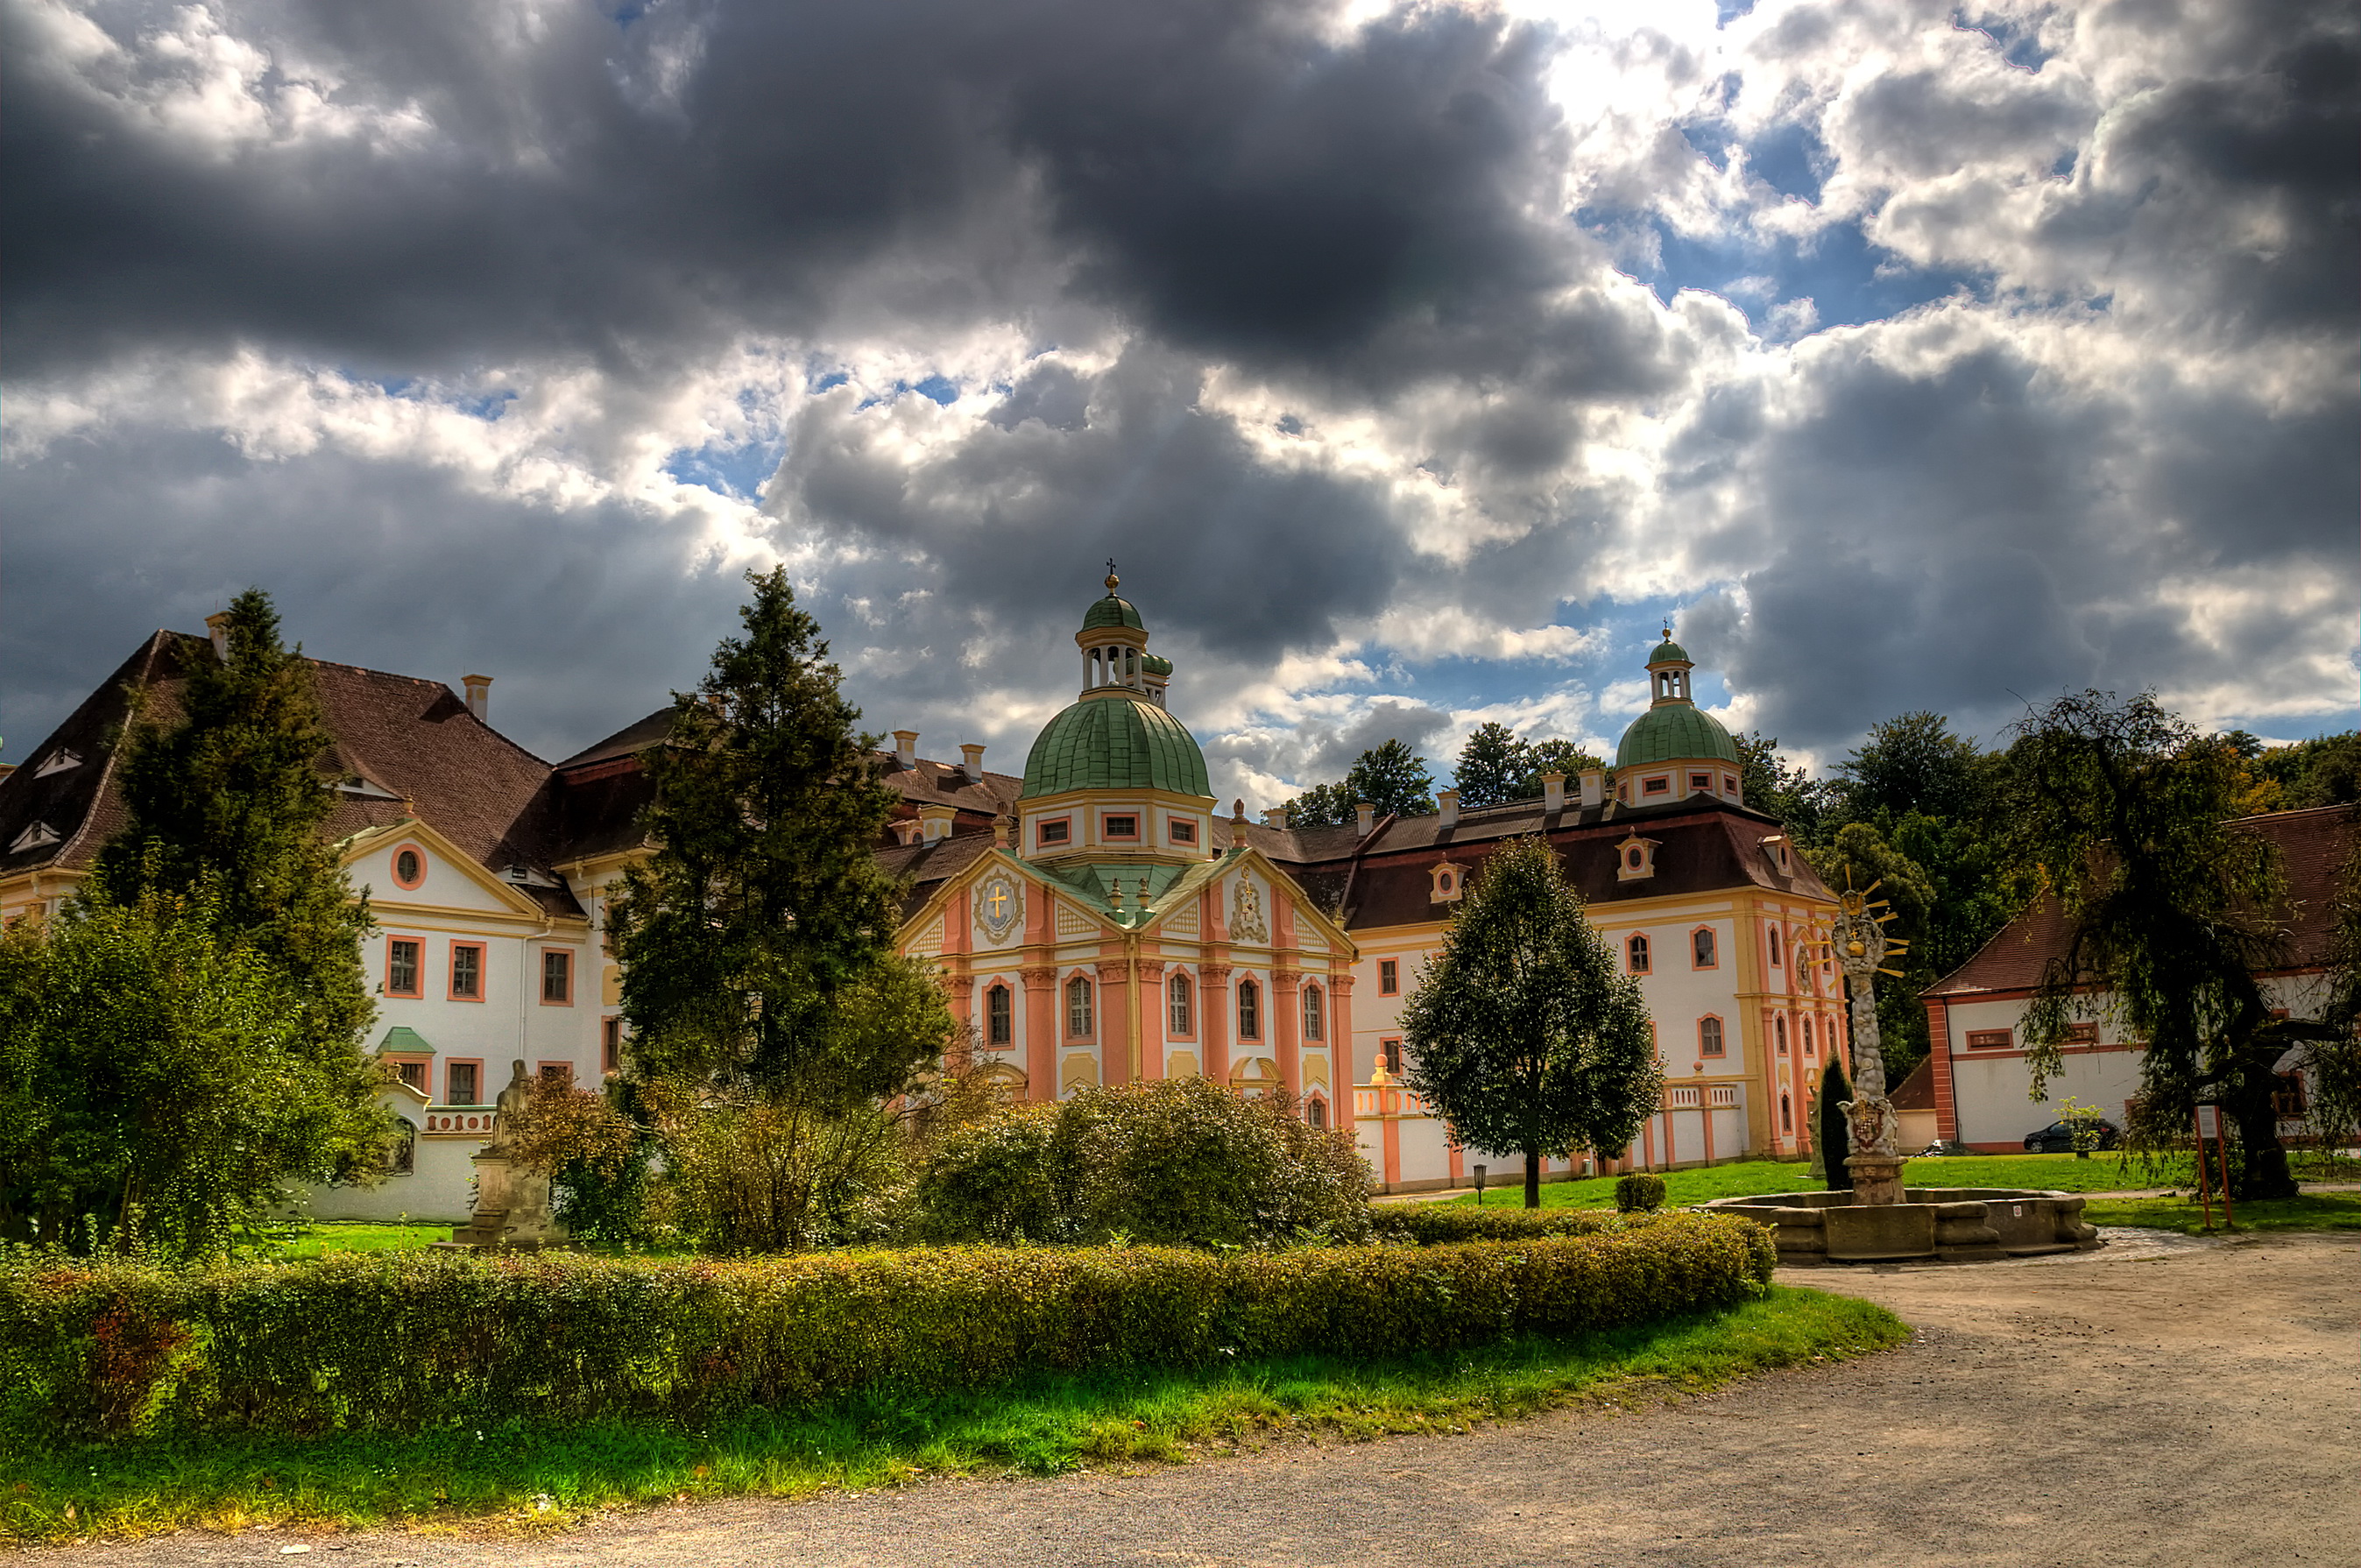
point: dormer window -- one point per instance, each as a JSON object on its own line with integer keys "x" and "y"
{"x": 1449, "y": 883}
{"x": 58, "y": 762}
{"x": 1636, "y": 860}
{"x": 39, "y": 836}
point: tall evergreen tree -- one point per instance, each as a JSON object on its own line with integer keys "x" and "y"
{"x": 756, "y": 939}
{"x": 1525, "y": 1034}
{"x": 2118, "y": 811}
{"x": 1835, "y": 1137}
{"x": 230, "y": 803}
{"x": 1913, "y": 762}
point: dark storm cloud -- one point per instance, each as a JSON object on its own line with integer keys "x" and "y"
{"x": 1014, "y": 520}
{"x": 585, "y": 623}
{"x": 1215, "y": 168}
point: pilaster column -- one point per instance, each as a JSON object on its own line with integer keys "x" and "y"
{"x": 1938, "y": 1056}
{"x": 1114, "y": 1022}
{"x": 1340, "y": 1047}
{"x": 959, "y": 988}
{"x": 1287, "y": 1028}
{"x": 1040, "y": 1033}
{"x": 1214, "y": 1019}
{"x": 1152, "y": 1045}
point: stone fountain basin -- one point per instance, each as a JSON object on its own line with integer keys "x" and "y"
{"x": 1959, "y": 1224}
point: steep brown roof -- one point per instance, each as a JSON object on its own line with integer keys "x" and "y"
{"x": 2312, "y": 846}
{"x": 1916, "y": 1091}
{"x": 926, "y": 866}
{"x": 414, "y": 740}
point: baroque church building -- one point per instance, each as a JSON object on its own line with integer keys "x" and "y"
{"x": 1098, "y": 920}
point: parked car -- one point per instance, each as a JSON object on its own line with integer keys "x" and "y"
{"x": 2059, "y": 1137}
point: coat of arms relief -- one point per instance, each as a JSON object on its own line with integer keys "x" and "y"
{"x": 1246, "y": 923}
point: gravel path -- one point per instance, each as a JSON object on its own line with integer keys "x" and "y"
{"x": 2162, "y": 1401}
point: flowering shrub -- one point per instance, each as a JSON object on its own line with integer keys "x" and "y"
{"x": 408, "y": 1341}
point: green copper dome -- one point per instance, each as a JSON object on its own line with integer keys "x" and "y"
{"x": 1669, "y": 652}
{"x": 1674, "y": 731}
{"x": 1115, "y": 742}
{"x": 1111, "y": 612}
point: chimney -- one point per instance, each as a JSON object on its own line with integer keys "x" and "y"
{"x": 937, "y": 819}
{"x": 217, "y": 627}
{"x": 905, "y": 748}
{"x": 479, "y": 696}
{"x": 1275, "y": 817}
{"x": 1552, "y": 792}
{"x": 972, "y": 763}
{"x": 1365, "y": 815}
{"x": 1448, "y": 800}
{"x": 1594, "y": 787}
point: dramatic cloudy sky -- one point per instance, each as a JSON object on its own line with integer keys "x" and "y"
{"x": 1412, "y": 361}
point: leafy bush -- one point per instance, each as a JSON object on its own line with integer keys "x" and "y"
{"x": 1433, "y": 1224}
{"x": 596, "y": 1154}
{"x": 747, "y": 1174}
{"x": 410, "y": 1341}
{"x": 1180, "y": 1162}
{"x": 1638, "y": 1191}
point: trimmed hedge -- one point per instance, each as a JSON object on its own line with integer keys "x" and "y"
{"x": 411, "y": 1340}
{"x": 1639, "y": 1192}
{"x": 1433, "y": 1224}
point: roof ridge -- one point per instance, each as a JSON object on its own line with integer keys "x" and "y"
{"x": 106, "y": 773}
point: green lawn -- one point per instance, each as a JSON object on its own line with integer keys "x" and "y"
{"x": 517, "y": 1476}
{"x": 2062, "y": 1172}
{"x": 361, "y": 1236}
{"x": 2307, "y": 1212}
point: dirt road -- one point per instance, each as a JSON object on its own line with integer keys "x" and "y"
{"x": 2181, "y": 1403}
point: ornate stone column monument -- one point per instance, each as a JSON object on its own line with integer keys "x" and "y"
{"x": 1861, "y": 947}
{"x": 511, "y": 1202}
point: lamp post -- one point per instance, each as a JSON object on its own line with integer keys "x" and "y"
{"x": 1479, "y": 1186}
{"x": 1857, "y": 940}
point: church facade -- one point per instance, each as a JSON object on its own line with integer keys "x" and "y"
{"x": 1098, "y": 919}
{"x": 1117, "y": 925}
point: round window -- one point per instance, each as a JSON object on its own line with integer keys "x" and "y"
{"x": 409, "y": 868}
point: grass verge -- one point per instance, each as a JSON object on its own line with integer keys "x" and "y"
{"x": 2306, "y": 1211}
{"x": 520, "y": 1476}
{"x": 1745, "y": 1178}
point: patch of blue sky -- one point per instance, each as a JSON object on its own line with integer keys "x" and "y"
{"x": 1849, "y": 280}
{"x": 2018, "y": 39}
{"x": 487, "y": 406}
{"x": 737, "y": 469}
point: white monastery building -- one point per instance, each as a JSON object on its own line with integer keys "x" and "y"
{"x": 1098, "y": 920}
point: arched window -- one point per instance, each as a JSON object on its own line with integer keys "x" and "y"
{"x": 1710, "y": 1042}
{"x": 1779, "y": 1034}
{"x": 1249, "y": 1011}
{"x": 1315, "y": 1111}
{"x": 1078, "y": 1007}
{"x": 1786, "y": 1114}
{"x": 1314, "y": 1024}
{"x": 1180, "y": 1005}
{"x": 999, "y": 1016}
{"x": 1807, "y": 1039}
{"x": 1774, "y": 945}
{"x": 1702, "y": 952}
{"x": 1637, "y": 950}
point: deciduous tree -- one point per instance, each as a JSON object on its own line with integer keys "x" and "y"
{"x": 1525, "y": 1034}
{"x": 2119, "y": 812}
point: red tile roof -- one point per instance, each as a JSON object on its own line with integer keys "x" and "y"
{"x": 2312, "y": 846}
{"x": 413, "y": 738}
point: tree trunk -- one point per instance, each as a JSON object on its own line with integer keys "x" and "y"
{"x": 2262, "y": 1162}
{"x": 1533, "y": 1179}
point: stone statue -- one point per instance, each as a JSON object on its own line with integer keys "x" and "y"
{"x": 512, "y": 1200}
{"x": 1861, "y": 947}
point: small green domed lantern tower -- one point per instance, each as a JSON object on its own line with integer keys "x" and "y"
{"x": 1114, "y": 780}
{"x": 1676, "y": 749}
